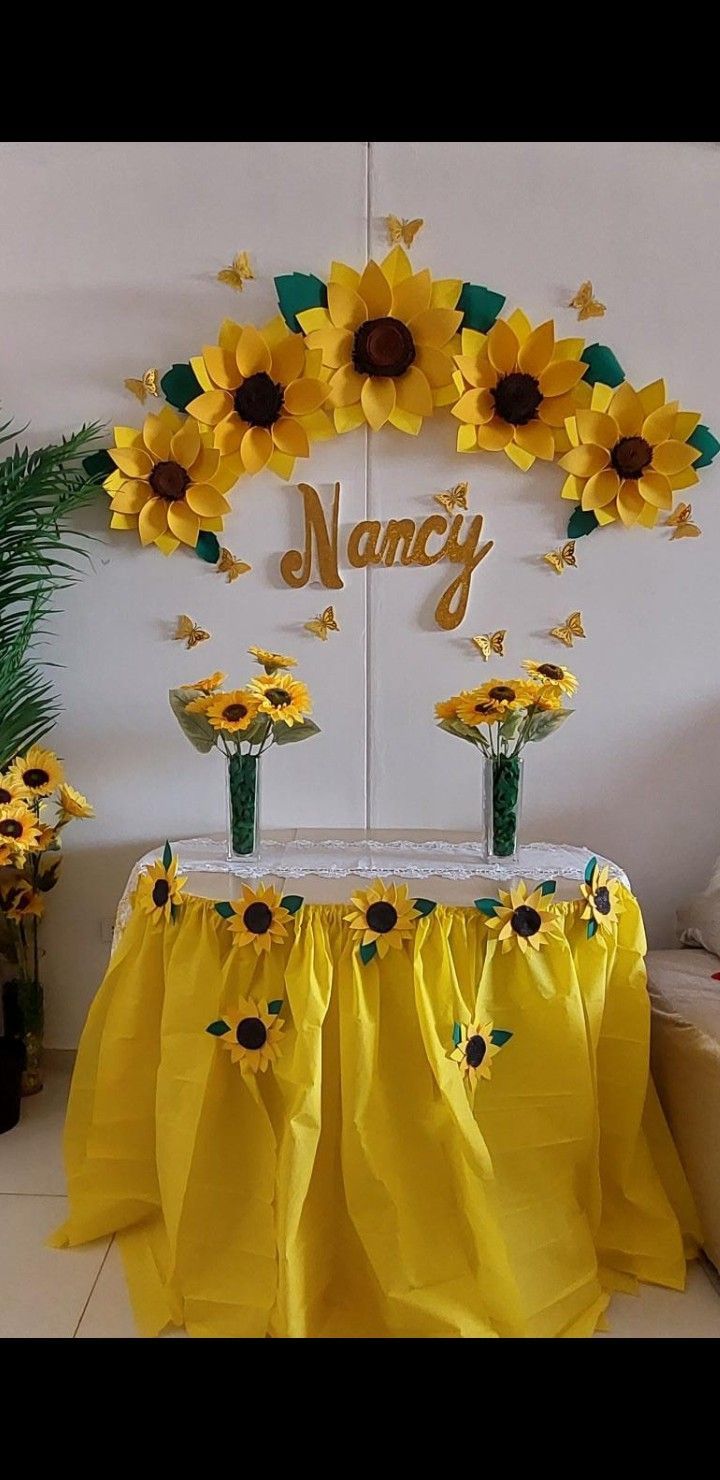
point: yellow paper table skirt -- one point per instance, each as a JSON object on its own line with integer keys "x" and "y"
{"x": 358, "y": 1187}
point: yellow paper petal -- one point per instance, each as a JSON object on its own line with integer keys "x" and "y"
{"x": 608, "y": 515}
{"x": 520, "y": 324}
{"x": 413, "y": 394}
{"x": 252, "y": 354}
{"x": 494, "y": 435}
{"x": 127, "y": 437}
{"x": 685, "y": 479}
{"x": 304, "y": 396}
{"x": 535, "y": 438}
{"x": 466, "y": 438}
{"x": 203, "y": 499}
{"x": 648, "y": 517}
{"x": 134, "y": 462}
{"x": 396, "y": 266}
{"x": 674, "y": 457}
{"x": 275, "y": 332}
{"x": 156, "y": 436}
{"x": 630, "y": 502}
{"x": 555, "y": 411}
{"x": 685, "y": 424}
{"x": 183, "y": 523}
{"x": 185, "y": 446}
{"x": 281, "y": 463}
{"x": 601, "y": 396}
{"x": 290, "y": 437}
{"x": 318, "y": 426}
{"x": 313, "y": 319}
{"x": 568, "y": 349}
{"x": 205, "y": 465}
{"x": 656, "y": 490}
{"x": 375, "y": 291}
{"x": 601, "y": 489}
{"x": 583, "y": 462}
{"x": 152, "y": 520}
{"x": 346, "y": 307}
{"x": 210, "y": 407}
{"x": 411, "y": 296}
{"x": 229, "y": 335}
{"x": 229, "y": 470}
{"x": 472, "y": 341}
{"x": 658, "y": 426}
{"x": 221, "y": 366}
{"x": 503, "y": 347}
{"x": 561, "y": 376}
{"x": 341, "y": 273}
{"x": 572, "y": 488}
{"x": 653, "y": 396}
{"x": 346, "y": 387}
{"x": 435, "y": 326}
{"x": 256, "y": 449}
{"x": 123, "y": 521}
{"x": 628, "y": 410}
{"x": 476, "y": 406}
{"x": 166, "y": 544}
{"x": 522, "y": 459}
{"x": 445, "y": 292}
{"x": 131, "y": 498}
{"x": 198, "y": 367}
{"x": 335, "y": 344}
{"x": 405, "y": 422}
{"x": 228, "y": 435}
{"x": 288, "y": 359}
{"x": 596, "y": 427}
{"x": 348, "y": 418}
{"x": 378, "y": 400}
{"x": 435, "y": 365}
{"x": 537, "y": 351}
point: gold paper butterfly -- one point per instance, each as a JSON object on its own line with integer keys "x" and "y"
{"x": 455, "y": 498}
{"x": 231, "y": 566}
{"x": 558, "y": 559}
{"x": 682, "y": 520}
{"x": 148, "y": 386}
{"x": 239, "y": 274}
{"x": 322, "y": 625}
{"x": 587, "y": 306}
{"x": 402, "y": 232}
{"x": 189, "y": 632}
{"x": 570, "y": 629}
{"x": 489, "y": 643}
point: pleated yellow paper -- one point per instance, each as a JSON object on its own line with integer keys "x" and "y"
{"x": 356, "y": 1189}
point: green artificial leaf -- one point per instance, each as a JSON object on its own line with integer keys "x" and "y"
{"x": 297, "y": 291}
{"x": 180, "y": 385}
{"x": 425, "y": 906}
{"x": 463, "y": 732}
{"x": 275, "y": 1006}
{"x": 167, "y": 856}
{"x": 208, "y": 547}
{"x": 288, "y": 734}
{"x": 224, "y": 909}
{"x": 195, "y": 727}
{"x": 548, "y": 887}
{"x": 256, "y": 732}
{"x": 590, "y": 868}
{"x": 367, "y": 952}
{"x": 602, "y": 365}
{"x": 99, "y": 465}
{"x": 703, "y": 439}
{"x": 546, "y": 723}
{"x": 581, "y": 522}
{"x": 292, "y": 903}
{"x": 486, "y": 906}
{"x": 457, "y": 1034}
{"x": 592, "y": 928}
{"x": 479, "y": 307}
{"x": 174, "y": 912}
{"x": 499, "y": 1037}
{"x": 218, "y": 1028}
{"x": 510, "y": 726}
{"x": 49, "y": 877}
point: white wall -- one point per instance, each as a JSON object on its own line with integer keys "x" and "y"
{"x": 107, "y": 262}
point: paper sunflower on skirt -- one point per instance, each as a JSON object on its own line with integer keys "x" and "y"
{"x": 169, "y": 481}
{"x": 251, "y": 1034}
{"x": 159, "y": 889}
{"x": 629, "y": 454}
{"x": 262, "y": 396}
{"x": 475, "y": 1048}
{"x": 517, "y": 386}
{"x": 521, "y": 919}
{"x": 258, "y": 918}
{"x": 602, "y": 898}
{"x": 387, "y": 335}
{"x": 383, "y": 916}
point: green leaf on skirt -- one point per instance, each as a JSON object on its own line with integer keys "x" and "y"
{"x": 479, "y": 307}
{"x": 592, "y": 928}
{"x": 368, "y": 952}
{"x": 180, "y": 385}
{"x": 486, "y": 906}
{"x": 174, "y": 912}
{"x": 297, "y": 291}
{"x": 275, "y": 1006}
{"x": 499, "y": 1037}
{"x": 581, "y": 522}
{"x": 167, "y": 856}
{"x": 208, "y": 547}
{"x": 218, "y": 1028}
{"x": 225, "y": 909}
{"x": 457, "y": 1034}
{"x": 602, "y": 365}
{"x": 548, "y": 887}
{"x": 590, "y": 868}
{"x": 425, "y": 906}
{"x": 292, "y": 903}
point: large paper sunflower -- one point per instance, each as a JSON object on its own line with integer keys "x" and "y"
{"x": 19, "y": 828}
{"x": 169, "y": 481}
{"x": 387, "y": 335}
{"x": 159, "y": 890}
{"x": 474, "y": 1050}
{"x": 259, "y": 919}
{"x": 383, "y": 915}
{"x": 521, "y": 919}
{"x": 251, "y": 1035}
{"x": 233, "y": 711}
{"x": 523, "y": 383}
{"x": 37, "y": 773}
{"x": 282, "y": 697}
{"x": 602, "y": 898}
{"x": 629, "y": 453}
{"x": 262, "y": 395}
{"x": 492, "y": 701}
{"x": 551, "y": 676}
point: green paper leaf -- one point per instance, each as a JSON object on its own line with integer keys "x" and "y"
{"x": 367, "y": 952}
{"x": 703, "y": 439}
{"x": 590, "y": 868}
{"x": 224, "y": 909}
{"x": 457, "y": 1034}
{"x": 499, "y": 1037}
{"x": 479, "y": 306}
{"x": 592, "y": 928}
{"x": 180, "y": 385}
{"x": 195, "y": 727}
{"x": 297, "y": 291}
{"x": 208, "y": 547}
{"x": 548, "y": 887}
{"x": 581, "y": 522}
{"x": 218, "y": 1028}
{"x": 167, "y": 856}
{"x": 486, "y": 906}
{"x": 289, "y": 734}
{"x": 292, "y": 903}
{"x": 602, "y": 365}
{"x": 275, "y": 1006}
{"x": 99, "y": 465}
{"x": 174, "y": 912}
{"x": 425, "y": 906}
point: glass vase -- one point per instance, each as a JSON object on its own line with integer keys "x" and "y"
{"x": 24, "y": 1019}
{"x": 503, "y": 781}
{"x": 243, "y": 806}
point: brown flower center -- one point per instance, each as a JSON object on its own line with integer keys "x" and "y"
{"x": 383, "y": 347}
{"x": 251, "y": 1033}
{"x": 525, "y": 921}
{"x": 550, "y": 670}
{"x": 517, "y": 397}
{"x": 502, "y": 694}
{"x": 381, "y": 916}
{"x": 631, "y": 456}
{"x": 5, "y": 796}
{"x": 257, "y": 918}
{"x": 169, "y": 481}
{"x": 234, "y": 711}
{"x": 259, "y": 400}
{"x": 278, "y": 697}
{"x": 602, "y": 900}
{"x": 10, "y": 828}
{"x": 161, "y": 892}
{"x": 475, "y": 1050}
{"x": 484, "y": 708}
{"x": 35, "y": 777}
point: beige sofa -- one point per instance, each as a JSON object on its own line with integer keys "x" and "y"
{"x": 686, "y": 1069}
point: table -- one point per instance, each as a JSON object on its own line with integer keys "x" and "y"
{"x": 454, "y": 1137}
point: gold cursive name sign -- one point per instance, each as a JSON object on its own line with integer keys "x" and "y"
{"x": 399, "y": 542}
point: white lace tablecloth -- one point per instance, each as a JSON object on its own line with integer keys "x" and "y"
{"x": 361, "y": 856}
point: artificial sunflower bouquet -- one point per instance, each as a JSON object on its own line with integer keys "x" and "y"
{"x": 30, "y": 844}
{"x": 273, "y": 708}
{"x": 501, "y": 717}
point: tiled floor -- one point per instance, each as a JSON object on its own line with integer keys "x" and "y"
{"x": 81, "y": 1292}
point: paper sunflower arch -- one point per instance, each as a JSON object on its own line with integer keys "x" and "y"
{"x": 389, "y": 346}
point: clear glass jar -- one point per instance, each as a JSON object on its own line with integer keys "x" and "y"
{"x": 503, "y": 782}
{"x": 243, "y": 806}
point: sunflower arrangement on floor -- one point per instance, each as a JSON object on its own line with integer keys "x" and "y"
{"x": 272, "y": 708}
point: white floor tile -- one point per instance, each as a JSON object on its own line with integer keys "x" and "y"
{"x": 108, "y": 1312}
{"x": 43, "y": 1292}
{"x": 657, "y": 1312}
{"x": 31, "y": 1154}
